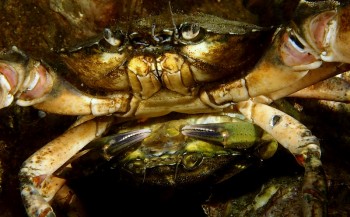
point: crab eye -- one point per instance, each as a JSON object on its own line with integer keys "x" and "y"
{"x": 191, "y": 32}
{"x": 138, "y": 40}
{"x": 112, "y": 40}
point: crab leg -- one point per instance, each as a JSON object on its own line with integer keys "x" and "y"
{"x": 317, "y": 75}
{"x": 31, "y": 83}
{"x": 334, "y": 89}
{"x": 36, "y": 172}
{"x": 303, "y": 145}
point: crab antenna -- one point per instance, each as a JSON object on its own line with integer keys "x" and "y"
{"x": 176, "y": 32}
{"x": 154, "y": 37}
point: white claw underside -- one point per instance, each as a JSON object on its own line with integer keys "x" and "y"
{"x": 28, "y": 85}
{"x": 6, "y": 98}
{"x": 331, "y": 54}
{"x": 332, "y": 28}
{"x": 34, "y": 81}
{"x": 31, "y": 81}
{"x": 313, "y": 65}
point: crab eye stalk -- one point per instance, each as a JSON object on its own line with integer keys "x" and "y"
{"x": 112, "y": 40}
{"x": 191, "y": 33}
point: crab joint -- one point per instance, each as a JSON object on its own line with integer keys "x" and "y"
{"x": 264, "y": 116}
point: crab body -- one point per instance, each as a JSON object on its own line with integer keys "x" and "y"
{"x": 192, "y": 64}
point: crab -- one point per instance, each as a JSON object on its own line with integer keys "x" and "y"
{"x": 176, "y": 150}
{"x": 193, "y": 64}
{"x": 166, "y": 153}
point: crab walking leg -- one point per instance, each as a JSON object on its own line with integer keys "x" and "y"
{"x": 326, "y": 71}
{"x": 301, "y": 143}
{"x": 36, "y": 172}
{"x": 334, "y": 89}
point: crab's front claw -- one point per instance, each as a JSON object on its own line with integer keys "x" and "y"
{"x": 112, "y": 145}
{"x": 228, "y": 134}
{"x": 295, "y": 60}
{"x": 239, "y": 135}
{"x": 295, "y": 137}
{"x": 23, "y": 80}
{"x": 287, "y": 62}
{"x": 328, "y": 34}
{"x": 29, "y": 82}
{"x": 15, "y": 79}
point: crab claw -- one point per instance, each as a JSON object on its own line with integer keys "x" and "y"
{"x": 29, "y": 82}
{"x": 36, "y": 85}
{"x": 288, "y": 61}
{"x": 8, "y": 82}
{"x": 112, "y": 145}
{"x": 25, "y": 80}
{"x": 12, "y": 73}
{"x": 237, "y": 135}
{"x": 328, "y": 33}
{"x": 244, "y": 133}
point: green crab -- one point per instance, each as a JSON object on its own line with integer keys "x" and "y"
{"x": 179, "y": 63}
{"x": 181, "y": 149}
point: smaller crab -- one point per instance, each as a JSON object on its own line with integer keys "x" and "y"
{"x": 178, "y": 149}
